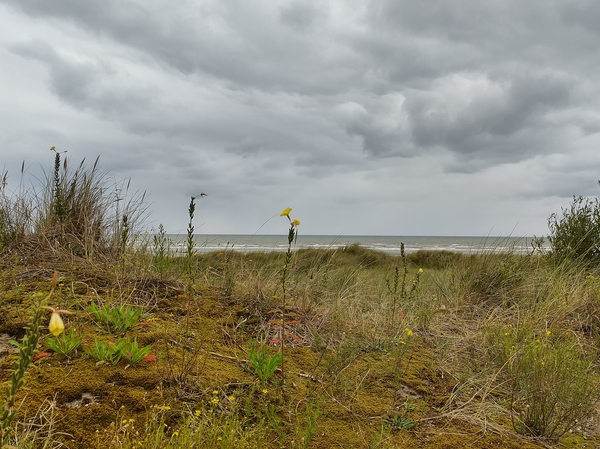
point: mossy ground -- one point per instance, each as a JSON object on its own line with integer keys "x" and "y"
{"x": 344, "y": 386}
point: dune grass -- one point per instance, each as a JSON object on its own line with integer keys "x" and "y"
{"x": 424, "y": 350}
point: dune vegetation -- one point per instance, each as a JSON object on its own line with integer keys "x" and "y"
{"x": 109, "y": 340}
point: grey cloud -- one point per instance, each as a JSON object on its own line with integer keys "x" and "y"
{"x": 72, "y": 83}
{"x": 84, "y": 84}
{"x": 584, "y": 13}
{"x": 500, "y": 121}
{"x": 380, "y": 123}
{"x": 299, "y": 16}
{"x": 377, "y": 141}
{"x": 246, "y": 147}
{"x": 233, "y": 41}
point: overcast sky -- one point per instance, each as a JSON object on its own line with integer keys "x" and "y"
{"x": 389, "y": 117}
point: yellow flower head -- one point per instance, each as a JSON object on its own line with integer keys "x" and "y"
{"x": 56, "y": 326}
{"x": 296, "y": 222}
{"x": 286, "y": 212}
{"x": 52, "y": 148}
{"x": 408, "y": 332}
{"x": 420, "y": 270}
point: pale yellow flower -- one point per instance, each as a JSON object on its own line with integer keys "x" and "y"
{"x": 296, "y": 222}
{"x": 286, "y": 212}
{"x": 56, "y": 326}
{"x": 420, "y": 270}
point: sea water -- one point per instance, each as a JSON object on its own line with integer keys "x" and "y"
{"x": 205, "y": 243}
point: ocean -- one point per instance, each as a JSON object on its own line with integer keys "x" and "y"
{"x": 205, "y": 243}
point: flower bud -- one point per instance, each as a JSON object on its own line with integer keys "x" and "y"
{"x": 56, "y": 326}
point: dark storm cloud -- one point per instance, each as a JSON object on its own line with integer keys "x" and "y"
{"x": 233, "y": 40}
{"x": 474, "y": 79}
{"x": 502, "y": 121}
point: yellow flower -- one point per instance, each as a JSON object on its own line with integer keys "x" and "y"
{"x": 286, "y": 212}
{"x": 197, "y": 413}
{"x": 548, "y": 333}
{"x": 52, "y": 148}
{"x": 56, "y": 326}
{"x": 265, "y": 391}
{"x": 296, "y": 222}
{"x": 420, "y": 270}
{"x": 214, "y": 401}
{"x": 231, "y": 398}
{"x": 408, "y": 332}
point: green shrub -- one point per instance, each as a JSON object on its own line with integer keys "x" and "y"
{"x": 551, "y": 382}
{"x": 554, "y": 387}
{"x": 576, "y": 233}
